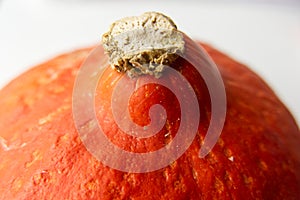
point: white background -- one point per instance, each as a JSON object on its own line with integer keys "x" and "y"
{"x": 263, "y": 34}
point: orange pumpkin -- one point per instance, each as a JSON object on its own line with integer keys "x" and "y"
{"x": 42, "y": 156}
{"x": 46, "y": 154}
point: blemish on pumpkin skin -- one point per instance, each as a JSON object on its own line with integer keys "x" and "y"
{"x": 61, "y": 139}
{"x": 47, "y": 78}
{"x": 167, "y": 134}
{"x": 131, "y": 179}
{"x": 3, "y": 144}
{"x": 219, "y": 186}
{"x": 248, "y": 180}
{"x": 173, "y": 165}
{"x": 146, "y": 94}
{"x": 176, "y": 184}
{"x": 228, "y": 179}
{"x": 16, "y": 143}
{"x": 166, "y": 174}
{"x": 91, "y": 185}
{"x": 30, "y": 100}
{"x": 16, "y": 185}
{"x": 231, "y": 158}
{"x": 221, "y": 142}
{"x": 44, "y": 120}
{"x": 44, "y": 177}
{"x": 211, "y": 157}
{"x": 113, "y": 188}
{"x": 35, "y": 156}
{"x": 179, "y": 185}
{"x": 52, "y": 115}
{"x": 262, "y": 165}
{"x": 195, "y": 174}
{"x": 227, "y": 152}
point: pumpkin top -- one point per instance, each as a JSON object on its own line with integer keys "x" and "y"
{"x": 143, "y": 44}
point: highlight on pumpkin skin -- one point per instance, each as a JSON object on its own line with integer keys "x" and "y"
{"x": 144, "y": 48}
{"x": 94, "y": 77}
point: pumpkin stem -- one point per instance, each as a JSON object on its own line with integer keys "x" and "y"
{"x": 143, "y": 44}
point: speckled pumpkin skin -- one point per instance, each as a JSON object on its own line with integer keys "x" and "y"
{"x": 42, "y": 156}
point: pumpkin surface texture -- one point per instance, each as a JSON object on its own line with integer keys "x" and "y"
{"x": 42, "y": 156}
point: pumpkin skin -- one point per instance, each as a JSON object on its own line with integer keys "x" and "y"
{"x": 42, "y": 156}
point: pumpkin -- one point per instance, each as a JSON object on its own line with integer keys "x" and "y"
{"x": 43, "y": 157}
